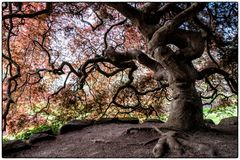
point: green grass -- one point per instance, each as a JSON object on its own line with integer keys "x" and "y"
{"x": 219, "y": 113}
{"x": 24, "y": 135}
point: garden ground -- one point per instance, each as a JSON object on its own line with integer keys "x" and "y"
{"x": 113, "y": 140}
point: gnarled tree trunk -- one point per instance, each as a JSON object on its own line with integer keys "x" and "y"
{"x": 186, "y": 106}
{"x": 174, "y": 67}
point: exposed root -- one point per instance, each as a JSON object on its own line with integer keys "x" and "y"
{"x": 179, "y": 145}
{"x": 166, "y": 141}
{"x": 175, "y": 142}
{"x": 163, "y": 126}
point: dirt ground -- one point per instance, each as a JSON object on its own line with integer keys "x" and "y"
{"x": 111, "y": 140}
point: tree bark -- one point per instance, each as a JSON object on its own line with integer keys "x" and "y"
{"x": 186, "y": 106}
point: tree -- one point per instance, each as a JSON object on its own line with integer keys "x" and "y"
{"x": 110, "y": 38}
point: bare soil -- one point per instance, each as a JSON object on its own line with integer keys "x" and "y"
{"x": 112, "y": 140}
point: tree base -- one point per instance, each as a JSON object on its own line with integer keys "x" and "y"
{"x": 176, "y": 142}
